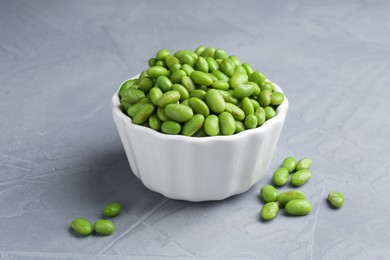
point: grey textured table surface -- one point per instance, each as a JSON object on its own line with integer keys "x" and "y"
{"x": 61, "y": 156}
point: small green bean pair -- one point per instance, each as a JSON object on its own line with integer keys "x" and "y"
{"x": 301, "y": 175}
{"x": 102, "y": 226}
{"x": 294, "y": 202}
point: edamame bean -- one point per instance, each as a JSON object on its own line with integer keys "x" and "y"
{"x": 265, "y": 98}
{"x": 185, "y": 102}
{"x": 289, "y": 163}
{"x": 188, "y": 69}
{"x": 104, "y": 227}
{"x": 177, "y": 76}
{"x": 238, "y": 78}
{"x": 277, "y": 98}
{"x": 171, "y": 61}
{"x": 200, "y": 133}
{"x": 243, "y": 90}
{"x": 133, "y": 95}
{"x": 112, "y": 209}
{"x": 260, "y": 114}
{"x": 239, "y": 127}
{"x": 175, "y": 67}
{"x": 199, "y": 93}
{"x": 280, "y": 176}
{"x": 178, "y": 112}
{"x": 186, "y": 58}
{"x": 82, "y": 226}
{"x": 145, "y": 84}
{"x": 220, "y": 75}
{"x": 248, "y": 68}
{"x": 155, "y": 122}
{"x": 268, "y": 193}
{"x": 170, "y": 127}
{"x": 336, "y": 199}
{"x": 199, "y": 106}
{"x": 258, "y": 78}
{"x": 126, "y": 85}
{"x": 188, "y": 83}
{"x": 215, "y": 101}
{"x": 235, "y": 59}
{"x": 125, "y": 105}
{"x": 156, "y": 71}
{"x": 201, "y": 78}
{"x": 134, "y": 108}
{"x": 247, "y": 107}
{"x": 300, "y": 177}
{"x": 161, "y": 63}
{"x": 287, "y": 196}
{"x": 298, "y": 207}
{"x": 236, "y": 112}
{"x": 202, "y": 65}
{"x": 228, "y": 97}
{"x": 169, "y": 97}
{"x": 182, "y": 90}
{"x": 193, "y": 125}
{"x": 143, "y": 113}
{"x": 213, "y": 65}
{"x": 143, "y": 75}
{"x": 267, "y": 86}
{"x": 162, "y": 115}
{"x": 250, "y": 121}
{"x": 269, "y": 211}
{"x": 178, "y": 54}
{"x": 200, "y": 50}
{"x": 162, "y": 54}
{"x": 164, "y": 83}
{"x": 304, "y": 163}
{"x": 152, "y": 62}
{"x": 269, "y": 112}
{"x": 227, "y": 123}
{"x": 154, "y": 95}
{"x": 213, "y": 77}
{"x": 255, "y": 104}
{"x": 227, "y": 67}
{"x": 211, "y": 125}
{"x": 220, "y": 54}
{"x": 239, "y": 69}
{"x": 220, "y": 84}
{"x": 208, "y": 52}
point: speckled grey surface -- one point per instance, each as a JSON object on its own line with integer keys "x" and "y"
{"x": 61, "y": 157}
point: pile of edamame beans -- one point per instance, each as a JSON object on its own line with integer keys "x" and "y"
{"x": 198, "y": 93}
{"x": 293, "y": 201}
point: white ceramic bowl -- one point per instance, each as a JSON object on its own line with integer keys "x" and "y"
{"x": 199, "y": 168}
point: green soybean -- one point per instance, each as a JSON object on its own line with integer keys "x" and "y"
{"x": 256, "y": 88}
{"x": 235, "y": 59}
{"x": 247, "y": 106}
{"x": 227, "y": 123}
{"x": 239, "y": 127}
{"x": 287, "y": 196}
{"x": 188, "y": 69}
{"x": 198, "y": 106}
{"x": 277, "y": 98}
{"x": 126, "y": 85}
{"x": 170, "y": 127}
{"x": 269, "y": 112}
{"x": 300, "y": 177}
{"x": 161, "y": 114}
{"x": 336, "y": 199}
{"x": 227, "y": 67}
{"x": 178, "y": 112}
{"x": 220, "y": 54}
{"x": 143, "y": 75}
{"x": 185, "y": 102}
{"x": 213, "y": 65}
{"x": 169, "y": 97}
{"x": 134, "y": 108}
{"x": 289, "y": 163}
{"x": 248, "y": 68}
{"x": 143, "y": 113}
{"x": 200, "y": 133}
{"x": 188, "y": 83}
{"x": 240, "y": 69}
{"x": 178, "y": 54}
{"x": 269, "y": 211}
{"x": 258, "y": 78}
{"x": 228, "y": 97}
{"x": 184, "y": 94}
{"x": 200, "y": 50}
{"x": 255, "y": 104}
{"x": 199, "y": 93}
{"x": 220, "y": 84}
{"x": 125, "y": 105}
{"x": 304, "y": 163}
{"x": 104, "y": 227}
{"x": 152, "y": 62}
{"x": 236, "y": 112}
{"x": 243, "y": 90}
{"x": 208, "y": 52}
{"x": 162, "y": 54}
{"x": 133, "y": 95}
{"x": 175, "y": 67}
{"x": 112, "y": 209}
{"x": 238, "y": 78}
{"x": 171, "y": 61}
{"x": 145, "y": 84}
{"x": 154, "y": 95}
{"x": 215, "y": 101}
{"x": 155, "y": 122}
{"x": 201, "y": 78}
{"x": 164, "y": 83}
{"x": 211, "y": 125}
{"x": 250, "y": 121}
{"x": 202, "y": 65}
{"x": 156, "y": 71}
{"x": 186, "y": 58}
{"x": 298, "y": 207}
{"x": 268, "y": 193}
{"x": 265, "y": 98}
{"x": 82, "y": 226}
{"x": 267, "y": 86}
{"x": 177, "y": 76}
{"x": 280, "y": 176}
{"x": 220, "y": 75}
{"x": 193, "y": 125}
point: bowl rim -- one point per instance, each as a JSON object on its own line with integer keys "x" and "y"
{"x": 281, "y": 113}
